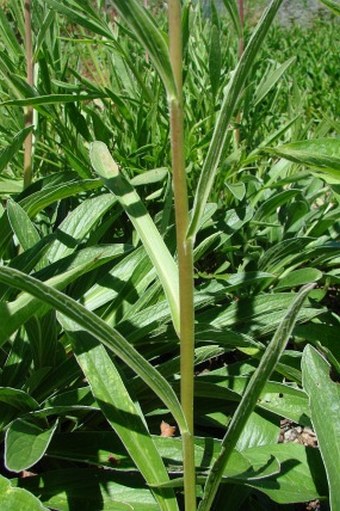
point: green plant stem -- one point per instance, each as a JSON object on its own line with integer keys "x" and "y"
{"x": 185, "y": 254}
{"x": 250, "y": 397}
{"x": 240, "y": 53}
{"x": 28, "y": 144}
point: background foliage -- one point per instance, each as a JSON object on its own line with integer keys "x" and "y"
{"x": 80, "y": 420}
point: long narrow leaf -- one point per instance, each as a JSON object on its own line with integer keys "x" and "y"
{"x": 122, "y": 413}
{"x": 52, "y": 99}
{"x": 151, "y": 38}
{"x": 232, "y": 9}
{"x": 8, "y": 152}
{"x": 251, "y": 395}
{"x": 322, "y": 155}
{"x": 154, "y": 245}
{"x": 334, "y": 6}
{"x": 231, "y": 98}
{"x": 101, "y": 331}
{"x": 16, "y": 313}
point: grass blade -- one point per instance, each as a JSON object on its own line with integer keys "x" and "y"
{"x": 232, "y": 9}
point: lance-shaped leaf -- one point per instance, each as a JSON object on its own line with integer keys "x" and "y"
{"x": 230, "y": 101}
{"x": 16, "y": 313}
{"x": 322, "y": 155}
{"x": 251, "y": 396}
{"x": 324, "y": 400}
{"x": 147, "y": 32}
{"x": 101, "y": 331}
{"x": 232, "y": 9}
{"x": 153, "y": 242}
{"x": 25, "y": 444}
{"x": 121, "y": 412}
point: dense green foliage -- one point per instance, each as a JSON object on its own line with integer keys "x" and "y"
{"x": 89, "y": 360}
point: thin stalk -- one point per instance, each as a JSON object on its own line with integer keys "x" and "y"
{"x": 240, "y": 53}
{"x": 241, "y": 38}
{"x": 28, "y": 144}
{"x": 185, "y": 253}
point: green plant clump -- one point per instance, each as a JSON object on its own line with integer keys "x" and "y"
{"x": 169, "y": 243}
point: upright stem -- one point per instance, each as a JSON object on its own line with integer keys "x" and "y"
{"x": 146, "y": 5}
{"x": 30, "y": 80}
{"x": 185, "y": 254}
{"x": 240, "y": 52}
{"x": 241, "y": 38}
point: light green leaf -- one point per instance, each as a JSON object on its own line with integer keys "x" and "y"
{"x": 270, "y": 81}
{"x": 231, "y": 98}
{"x": 14, "y": 314}
{"x": 324, "y": 399}
{"x": 322, "y": 155}
{"x": 148, "y": 34}
{"x": 52, "y": 99}
{"x": 149, "y": 177}
{"x": 121, "y": 412}
{"x": 26, "y": 444}
{"x": 237, "y": 189}
{"x": 22, "y": 225}
{"x": 13, "y": 499}
{"x": 77, "y": 224}
{"x": 38, "y": 200}
{"x": 301, "y": 477}
{"x": 154, "y": 245}
{"x": 9, "y": 186}
{"x": 81, "y": 13}
{"x": 102, "y": 332}
{"x": 298, "y": 278}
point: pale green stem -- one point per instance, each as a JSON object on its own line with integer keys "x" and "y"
{"x": 28, "y": 144}
{"x": 240, "y": 53}
{"x": 185, "y": 254}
